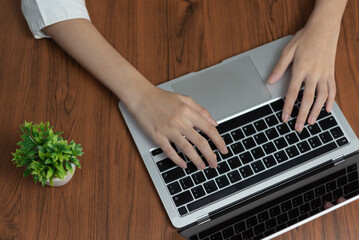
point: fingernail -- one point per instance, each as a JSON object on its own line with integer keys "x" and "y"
{"x": 202, "y": 166}
{"x": 214, "y": 164}
{"x": 299, "y": 127}
{"x": 273, "y": 77}
{"x": 285, "y": 117}
{"x": 312, "y": 120}
{"x": 224, "y": 150}
{"x": 213, "y": 122}
{"x": 183, "y": 165}
{"x": 329, "y": 109}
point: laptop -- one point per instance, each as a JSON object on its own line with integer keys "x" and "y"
{"x": 273, "y": 179}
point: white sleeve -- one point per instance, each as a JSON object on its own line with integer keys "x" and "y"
{"x": 42, "y": 13}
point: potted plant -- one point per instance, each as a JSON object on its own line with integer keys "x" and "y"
{"x": 45, "y": 155}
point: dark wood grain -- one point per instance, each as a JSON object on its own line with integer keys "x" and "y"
{"x": 112, "y": 197}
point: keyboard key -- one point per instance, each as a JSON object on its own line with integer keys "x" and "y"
{"x": 351, "y": 187}
{"x": 234, "y": 176}
{"x": 303, "y": 216}
{"x": 186, "y": 183}
{"x": 260, "y": 125}
{"x": 330, "y": 186}
{"x": 283, "y": 129}
{"x": 352, "y": 176}
{"x": 248, "y": 130}
{"x": 156, "y": 151}
{"x": 249, "y": 143}
{"x": 313, "y": 212}
{"x": 280, "y": 143}
{"x": 165, "y": 164}
{"x": 222, "y": 181}
{"x": 292, "y": 151}
{"x": 210, "y": 173}
{"x": 227, "y": 138}
{"x": 269, "y": 161}
{"x": 182, "y": 198}
{"x": 314, "y": 129}
{"x": 308, "y": 196}
{"x": 271, "y": 120}
{"x": 271, "y": 223}
{"x": 293, "y": 213}
{"x": 341, "y": 181}
{"x": 191, "y": 168}
{"x": 263, "y": 216}
{"x": 259, "y": 229}
{"x": 239, "y": 227}
{"x": 250, "y": 222}
{"x": 257, "y": 166}
{"x": 303, "y": 147}
{"x": 248, "y": 234}
{"x": 182, "y": 210}
{"x": 217, "y": 236}
{"x": 328, "y": 123}
{"x": 280, "y": 156}
{"x": 286, "y": 206}
{"x": 246, "y": 157}
{"x": 274, "y": 211}
{"x": 319, "y": 191}
{"x": 304, "y": 208}
{"x": 323, "y": 113}
{"x": 237, "y": 147}
{"x": 246, "y": 171}
{"x": 173, "y": 174}
{"x": 314, "y": 142}
{"x": 281, "y": 227}
{"x": 237, "y": 134}
{"x": 342, "y": 141}
{"x": 325, "y": 137}
{"x": 295, "y": 111}
{"x": 269, "y": 148}
{"x": 198, "y": 178}
{"x": 282, "y": 218}
{"x": 271, "y": 133}
{"x": 244, "y": 119}
{"x": 174, "y": 188}
{"x": 260, "y": 138}
{"x": 212, "y": 145}
{"x": 297, "y": 201}
{"x": 228, "y": 232}
{"x": 277, "y": 105}
{"x": 257, "y": 152}
{"x": 222, "y": 168}
{"x": 210, "y": 186}
{"x": 352, "y": 168}
{"x": 327, "y": 198}
{"x": 228, "y": 155}
{"x": 338, "y": 193}
{"x": 292, "y": 138}
{"x": 198, "y": 192}
{"x": 291, "y": 124}
{"x": 303, "y": 134}
{"x": 234, "y": 162}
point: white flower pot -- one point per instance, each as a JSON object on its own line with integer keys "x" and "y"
{"x": 59, "y": 182}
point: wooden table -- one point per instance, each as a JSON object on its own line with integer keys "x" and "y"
{"x": 112, "y": 197}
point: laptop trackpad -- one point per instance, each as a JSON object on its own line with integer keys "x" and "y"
{"x": 226, "y": 89}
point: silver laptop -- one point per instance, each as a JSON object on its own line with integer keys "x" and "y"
{"x": 273, "y": 178}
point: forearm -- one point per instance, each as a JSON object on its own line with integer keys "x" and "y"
{"x": 82, "y": 41}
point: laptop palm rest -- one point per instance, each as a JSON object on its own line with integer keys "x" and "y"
{"x": 226, "y": 89}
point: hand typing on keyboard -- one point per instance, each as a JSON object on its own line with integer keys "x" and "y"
{"x": 167, "y": 117}
{"x": 312, "y": 52}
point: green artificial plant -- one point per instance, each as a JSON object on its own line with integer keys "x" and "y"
{"x": 45, "y": 154}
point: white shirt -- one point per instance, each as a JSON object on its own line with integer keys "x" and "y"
{"x": 42, "y": 13}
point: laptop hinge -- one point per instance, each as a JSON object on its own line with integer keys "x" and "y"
{"x": 338, "y": 160}
{"x": 203, "y": 219}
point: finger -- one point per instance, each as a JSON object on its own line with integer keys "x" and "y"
{"x": 340, "y": 199}
{"x": 200, "y": 110}
{"x": 307, "y": 102}
{"x": 171, "y": 153}
{"x": 202, "y": 146}
{"x": 292, "y": 92}
{"x": 283, "y": 63}
{"x": 212, "y": 133}
{"x": 189, "y": 151}
{"x": 328, "y": 205}
{"x": 322, "y": 95}
{"x": 331, "y": 94}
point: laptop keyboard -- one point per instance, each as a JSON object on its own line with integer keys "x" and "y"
{"x": 259, "y": 146}
{"x": 286, "y": 210}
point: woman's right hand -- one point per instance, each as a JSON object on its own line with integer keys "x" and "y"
{"x": 170, "y": 117}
